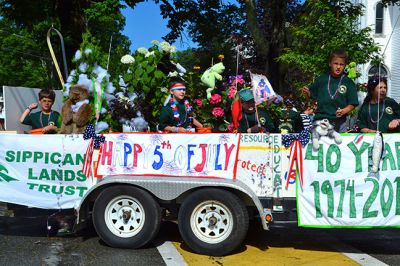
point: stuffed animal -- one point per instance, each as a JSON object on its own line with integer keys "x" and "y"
{"x": 351, "y": 70}
{"x": 323, "y": 128}
{"x": 76, "y": 111}
{"x": 210, "y": 75}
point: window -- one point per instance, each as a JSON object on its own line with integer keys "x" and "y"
{"x": 379, "y": 19}
{"x": 376, "y": 70}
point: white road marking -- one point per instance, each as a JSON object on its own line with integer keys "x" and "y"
{"x": 170, "y": 255}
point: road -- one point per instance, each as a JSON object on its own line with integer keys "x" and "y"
{"x": 24, "y": 241}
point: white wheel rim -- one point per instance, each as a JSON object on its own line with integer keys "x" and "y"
{"x": 211, "y": 222}
{"x": 124, "y": 216}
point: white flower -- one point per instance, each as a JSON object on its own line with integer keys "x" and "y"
{"x": 110, "y": 88}
{"x": 103, "y": 110}
{"x": 166, "y": 47}
{"x": 155, "y": 42}
{"x": 149, "y": 54}
{"x": 88, "y": 51}
{"x": 172, "y": 49}
{"x": 142, "y": 50}
{"x": 127, "y": 59}
{"x": 164, "y": 89}
{"x": 100, "y": 126}
{"x": 83, "y": 67}
{"x": 173, "y": 74}
{"x": 77, "y": 55}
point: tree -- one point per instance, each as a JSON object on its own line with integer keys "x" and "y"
{"x": 321, "y": 28}
{"x": 73, "y": 18}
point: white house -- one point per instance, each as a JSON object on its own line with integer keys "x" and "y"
{"x": 385, "y": 25}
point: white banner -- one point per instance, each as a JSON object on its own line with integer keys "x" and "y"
{"x": 339, "y": 189}
{"x": 187, "y": 155}
{"x": 42, "y": 171}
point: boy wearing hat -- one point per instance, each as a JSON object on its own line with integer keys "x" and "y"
{"x": 250, "y": 122}
{"x": 177, "y": 114}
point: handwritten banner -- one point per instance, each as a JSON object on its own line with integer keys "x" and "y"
{"x": 185, "y": 155}
{"x": 340, "y": 190}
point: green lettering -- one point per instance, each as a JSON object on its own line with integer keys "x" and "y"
{"x": 53, "y": 158}
{"x": 371, "y": 199}
{"x": 386, "y": 205}
{"x": 69, "y": 175}
{"x": 332, "y": 168}
{"x": 26, "y": 155}
{"x": 32, "y": 185}
{"x": 30, "y": 174}
{"x": 326, "y": 188}
{"x": 317, "y": 201}
{"x": 319, "y": 157}
{"x": 397, "y": 148}
{"x": 81, "y": 191}
{"x": 44, "y": 188}
{"x": 397, "y": 181}
{"x": 44, "y": 175}
{"x": 388, "y": 157}
{"x": 68, "y": 159}
{"x": 56, "y": 174}
{"x": 357, "y": 153}
{"x": 79, "y": 159}
{"x": 37, "y": 155}
{"x": 69, "y": 190}
{"x": 80, "y": 176}
{"x": 10, "y": 156}
{"x": 342, "y": 185}
{"x": 55, "y": 191}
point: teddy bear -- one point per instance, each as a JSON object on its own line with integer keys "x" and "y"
{"x": 210, "y": 75}
{"x": 76, "y": 111}
{"x": 323, "y": 128}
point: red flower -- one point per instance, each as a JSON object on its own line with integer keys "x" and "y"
{"x": 218, "y": 112}
{"x": 215, "y": 98}
{"x": 198, "y": 102}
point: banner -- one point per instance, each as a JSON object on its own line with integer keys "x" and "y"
{"x": 339, "y": 189}
{"x": 185, "y": 155}
{"x": 262, "y": 89}
{"x": 42, "y": 171}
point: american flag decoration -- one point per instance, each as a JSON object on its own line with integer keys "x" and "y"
{"x": 296, "y": 142}
{"x": 94, "y": 143}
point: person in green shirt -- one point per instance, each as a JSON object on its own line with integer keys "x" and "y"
{"x": 290, "y": 120}
{"x": 177, "y": 113}
{"x": 250, "y": 123}
{"x": 377, "y": 108}
{"x": 46, "y": 119}
{"x": 335, "y": 93}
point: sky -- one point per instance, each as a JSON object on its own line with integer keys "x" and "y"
{"x": 144, "y": 24}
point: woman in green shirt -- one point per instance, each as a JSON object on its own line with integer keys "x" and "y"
{"x": 379, "y": 112}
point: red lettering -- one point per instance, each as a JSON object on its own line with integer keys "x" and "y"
{"x": 136, "y": 149}
{"x": 228, "y": 152}
{"x": 107, "y": 152}
{"x": 199, "y": 167}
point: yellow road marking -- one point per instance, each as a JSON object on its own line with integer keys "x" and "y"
{"x": 298, "y": 254}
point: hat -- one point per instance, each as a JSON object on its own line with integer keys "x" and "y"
{"x": 246, "y": 95}
{"x": 178, "y": 86}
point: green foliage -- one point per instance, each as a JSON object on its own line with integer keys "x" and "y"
{"x": 326, "y": 27}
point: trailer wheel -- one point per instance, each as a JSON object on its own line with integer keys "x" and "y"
{"x": 213, "y": 221}
{"x": 126, "y": 216}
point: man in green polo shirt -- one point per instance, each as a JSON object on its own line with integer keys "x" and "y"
{"x": 335, "y": 93}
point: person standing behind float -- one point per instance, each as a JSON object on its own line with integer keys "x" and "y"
{"x": 249, "y": 122}
{"x": 177, "y": 114}
{"x": 335, "y": 93}
{"x": 46, "y": 119}
{"x": 389, "y": 110}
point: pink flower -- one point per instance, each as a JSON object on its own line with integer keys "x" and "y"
{"x": 198, "y": 102}
{"x": 215, "y": 98}
{"x": 231, "y": 92}
{"x": 218, "y": 112}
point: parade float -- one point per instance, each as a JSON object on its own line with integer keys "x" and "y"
{"x": 127, "y": 181}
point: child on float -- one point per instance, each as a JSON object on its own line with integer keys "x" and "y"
{"x": 290, "y": 119}
{"x": 307, "y": 116}
{"x": 250, "y": 123}
{"x": 376, "y": 99}
{"x": 334, "y": 92}
{"x": 177, "y": 114}
{"x": 46, "y": 119}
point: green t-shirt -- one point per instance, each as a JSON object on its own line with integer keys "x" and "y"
{"x": 290, "y": 122}
{"x": 39, "y": 120}
{"x": 333, "y": 93}
{"x": 249, "y": 120}
{"x": 389, "y": 109}
{"x": 167, "y": 116}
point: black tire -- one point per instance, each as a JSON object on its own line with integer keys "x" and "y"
{"x": 226, "y": 221}
{"x": 113, "y": 220}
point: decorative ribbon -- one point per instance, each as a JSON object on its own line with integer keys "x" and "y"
{"x": 98, "y": 91}
{"x": 296, "y": 143}
{"x": 93, "y": 144}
